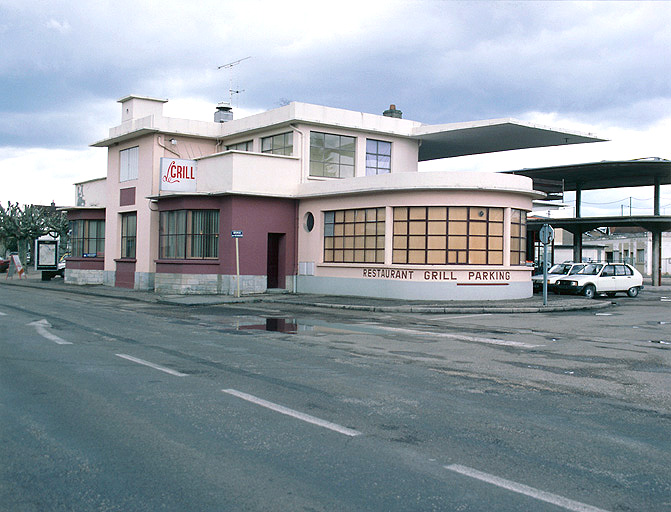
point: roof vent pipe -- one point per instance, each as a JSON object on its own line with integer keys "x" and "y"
{"x": 392, "y": 112}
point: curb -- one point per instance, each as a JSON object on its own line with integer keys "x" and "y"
{"x": 428, "y": 309}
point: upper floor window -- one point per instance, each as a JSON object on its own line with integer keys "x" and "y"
{"x": 240, "y": 146}
{"x": 189, "y": 234}
{"x": 87, "y": 238}
{"x": 378, "y": 157}
{"x": 332, "y": 155}
{"x": 128, "y": 163}
{"x": 282, "y": 144}
{"x": 128, "y": 234}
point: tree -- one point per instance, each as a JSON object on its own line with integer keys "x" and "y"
{"x": 19, "y": 227}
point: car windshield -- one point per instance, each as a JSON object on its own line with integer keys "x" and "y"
{"x": 576, "y": 269}
{"x": 559, "y": 268}
{"x": 591, "y": 269}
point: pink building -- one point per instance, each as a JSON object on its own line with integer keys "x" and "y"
{"x": 321, "y": 200}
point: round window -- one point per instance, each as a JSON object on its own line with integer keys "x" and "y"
{"x": 309, "y": 221}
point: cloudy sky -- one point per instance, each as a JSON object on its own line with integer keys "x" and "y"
{"x": 598, "y": 67}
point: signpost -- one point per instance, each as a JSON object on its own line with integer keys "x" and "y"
{"x": 547, "y": 235}
{"x": 237, "y": 234}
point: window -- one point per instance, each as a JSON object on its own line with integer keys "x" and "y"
{"x": 189, "y": 234}
{"x": 378, "y": 157}
{"x": 87, "y": 238}
{"x": 240, "y": 146}
{"x": 282, "y": 144}
{"x": 332, "y": 155}
{"x": 128, "y": 163}
{"x": 518, "y": 237}
{"x": 439, "y": 235}
{"x": 128, "y": 234}
{"x": 354, "y": 236}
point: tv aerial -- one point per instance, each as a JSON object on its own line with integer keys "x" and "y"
{"x": 230, "y": 67}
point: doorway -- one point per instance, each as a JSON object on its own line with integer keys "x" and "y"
{"x": 275, "y": 261}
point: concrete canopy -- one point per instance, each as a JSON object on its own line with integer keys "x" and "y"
{"x": 604, "y": 175}
{"x": 472, "y": 138}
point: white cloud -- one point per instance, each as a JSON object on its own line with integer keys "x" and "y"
{"x": 62, "y": 27}
{"x": 42, "y": 175}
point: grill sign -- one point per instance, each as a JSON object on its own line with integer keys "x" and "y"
{"x": 178, "y": 175}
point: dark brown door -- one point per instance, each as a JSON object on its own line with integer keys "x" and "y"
{"x": 274, "y": 256}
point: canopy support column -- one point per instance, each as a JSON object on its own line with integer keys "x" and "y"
{"x": 656, "y": 258}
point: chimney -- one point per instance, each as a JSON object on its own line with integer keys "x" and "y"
{"x": 223, "y": 113}
{"x": 392, "y": 112}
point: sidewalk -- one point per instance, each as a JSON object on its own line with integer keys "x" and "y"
{"x": 531, "y": 305}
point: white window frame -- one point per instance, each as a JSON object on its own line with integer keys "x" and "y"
{"x": 129, "y": 163}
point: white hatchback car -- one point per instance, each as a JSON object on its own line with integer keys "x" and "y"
{"x": 608, "y": 278}
{"x": 556, "y": 272}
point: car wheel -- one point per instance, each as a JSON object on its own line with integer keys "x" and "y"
{"x": 633, "y": 291}
{"x": 589, "y": 291}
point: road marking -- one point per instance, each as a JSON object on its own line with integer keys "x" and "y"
{"x": 294, "y": 414}
{"x": 41, "y": 327}
{"x": 462, "y": 337}
{"x": 3, "y": 314}
{"x": 548, "y": 497}
{"x": 152, "y": 365}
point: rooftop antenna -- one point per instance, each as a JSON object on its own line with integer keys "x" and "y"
{"x": 232, "y": 91}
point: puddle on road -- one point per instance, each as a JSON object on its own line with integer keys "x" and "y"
{"x": 288, "y": 326}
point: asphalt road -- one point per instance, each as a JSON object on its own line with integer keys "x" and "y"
{"x": 112, "y": 405}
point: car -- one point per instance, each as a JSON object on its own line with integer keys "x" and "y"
{"x": 556, "y": 272}
{"x": 4, "y": 265}
{"x": 608, "y": 278}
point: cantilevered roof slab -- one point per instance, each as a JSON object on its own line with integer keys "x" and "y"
{"x": 604, "y": 175}
{"x": 460, "y": 139}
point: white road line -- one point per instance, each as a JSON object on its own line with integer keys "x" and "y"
{"x": 152, "y": 365}
{"x": 462, "y": 337}
{"x": 3, "y": 314}
{"x": 41, "y": 327}
{"x": 555, "y": 499}
{"x": 294, "y": 414}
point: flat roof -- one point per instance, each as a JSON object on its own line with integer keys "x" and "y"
{"x": 647, "y": 222}
{"x": 606, "y": 174}
{"x": 472, "y": 138}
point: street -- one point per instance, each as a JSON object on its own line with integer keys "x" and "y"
{"x": 118, "y": 405}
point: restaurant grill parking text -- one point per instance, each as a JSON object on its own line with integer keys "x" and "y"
{"x": 438, "y": 275}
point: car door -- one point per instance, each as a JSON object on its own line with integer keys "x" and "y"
{"x": 625, "y": 277}
{"x": 607, "y": 280}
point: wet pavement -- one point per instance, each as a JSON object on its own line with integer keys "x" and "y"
{"x": 530, "y": 305}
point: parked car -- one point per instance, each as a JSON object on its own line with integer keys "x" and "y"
{"x": 608, "y": 278}
{"x": 4, "y": 265}
{"x": 556, "y": 272}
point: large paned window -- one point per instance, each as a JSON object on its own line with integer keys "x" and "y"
{"x": 240, "y": 146}
{"x": 332, "y": 155}
{"x": 378, "y": 157}
{"x": 518, "y": 237}
{"x": 87, "y": 238}
{"x": 282, "y": 144}
{"x": 189, "y": 234}
{"x": 354, "y": 236}
{"x": 439, "y": 235}
{"x": 128, "y": 234}
{"x": 128, "y": 163}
